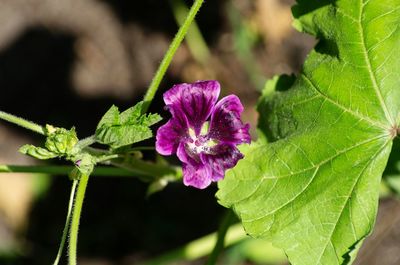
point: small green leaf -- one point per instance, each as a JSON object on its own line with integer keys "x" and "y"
{"x": 37, "y": 152}
{"x": 313, "y": 189}
{"x": 110, "y": 118}
{"x": 132, "y": 114}
{"x": 123, "y": 129}
{"x": 150, "y": 119}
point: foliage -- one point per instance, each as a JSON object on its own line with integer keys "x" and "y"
{"x": 119, "y": 129}
{"x": 313, "y": 190}
{"x": 310, "y": 184}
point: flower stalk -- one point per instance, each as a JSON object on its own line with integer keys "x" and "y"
{"x": 22, "y": 122}
{"x": 227, "y": 221}
{"x": 176, "y": 42}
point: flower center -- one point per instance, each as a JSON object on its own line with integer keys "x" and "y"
{"x": 201, "y": 143}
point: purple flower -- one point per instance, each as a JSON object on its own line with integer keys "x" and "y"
{"x": 206, "y": 149}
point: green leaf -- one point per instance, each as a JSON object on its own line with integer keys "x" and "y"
{"x": 110, "y": 118}
{"x": 121, "y": 129}
{"x": 37, "y": 152}
{"x": 314, "y": 190}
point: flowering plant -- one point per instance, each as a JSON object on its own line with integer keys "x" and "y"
{"x": 206, "y": 149}
{"x": 309, "y": 184}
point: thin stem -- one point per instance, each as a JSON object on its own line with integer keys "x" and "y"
{"x": 143, "y": 170}
{"x": 106, "y": 158}
{"x": 86, "y": 142}
{"x": 76, "y": 215}
{"x": 142, "y": 148}
{"x": 155, "y": 83}
{"x": 194, "y": 38}
{"x": 67, "y": 222}
{"x": 148, "y": 168}
{"x": 65, "y": 170}
{"x": 22, "y": 122}
{"x": 228, "y": 219}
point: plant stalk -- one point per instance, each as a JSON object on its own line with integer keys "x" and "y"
{"x": 76, "y": 215}
{"x": 155, "y": 83}
{"x": 199, "y": 247}
{"x": 101, "y": 171}
{"x": 227, "y": 221}
{"x": 22, "y": 122}
{"x": 67, "y": 222}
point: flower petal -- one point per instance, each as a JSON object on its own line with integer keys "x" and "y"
{"x": 225, "y": 156}
{"x": 194, "y": 100}
{"x": 226, "y": 125}
{"x": 197, "y": 175}
{"x": 171, "y": 134}
{"x": 183, "y": 156}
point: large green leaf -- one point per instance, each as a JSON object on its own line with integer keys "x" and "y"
{"x": 313, "y": 191}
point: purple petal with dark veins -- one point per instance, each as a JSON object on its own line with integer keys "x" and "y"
{"x": 194, "y": 100}
{"x": 171, "y": 134}
{"x": 183, "y": 155}
{"x": 224, "y": 156}
{"x": 197, "y": 176}
{"x": 226, "y": 125}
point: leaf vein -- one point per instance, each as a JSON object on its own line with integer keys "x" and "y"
{"x": 299, "y": 172}
{"x": 369, "y": 66}
{"x": 315, "y": 88}
{"x": 349, "y": 196}
{"x": 328, "y": 159}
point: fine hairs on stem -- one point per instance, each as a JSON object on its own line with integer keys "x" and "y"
{"x": 180, "y": 35}
{"x": 76, "y": 215}
{"x": 22, "y": 122}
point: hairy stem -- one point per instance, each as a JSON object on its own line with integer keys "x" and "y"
{"x": 104, "y": 158}
{"x": 155, "y": 83}
{"x": 86, "y": 142}
{"x": 22, "y": 122}
{"x": 76, "y": 215}
{"x": 194, "y": 38}
{"x": 67, "y": 222}
{"x": 64, "y": 170}
{"x": 228, "y": 219}
{"x": 101, "y": 171}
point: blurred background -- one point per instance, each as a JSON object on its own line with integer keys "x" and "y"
{"x": 64, "y": 62}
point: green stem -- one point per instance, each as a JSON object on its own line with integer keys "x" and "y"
{"x": 65, "y": 170}
{"x": 22, "y": 122}
{"x": 142, "y": 148}
{"x": 228, "y": 219}
{"x": 149, "y": 169}
{"x": 155, "y": 83}
{"x": 67, "y": 222}
{"x": 76, "y": 215}
{"x": 86, "y": 142}
{"x": 106, "y": 157}
{"x": 199, "y": 247}
{"x": 146, "y": 171}
{"x": 194, "y": 38}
